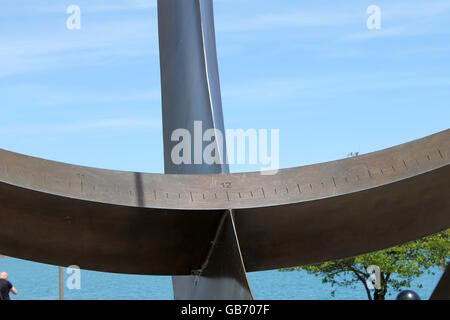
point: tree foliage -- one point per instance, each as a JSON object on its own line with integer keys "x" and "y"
{"x": 399, "y": 266}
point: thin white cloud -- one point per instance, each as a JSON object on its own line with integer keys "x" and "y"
{"x": 298, "y": 19}
{"x": 82, "y": 127}
{"x": 20, "y": 53}
{"x": 86, "y": 6}
{"x": 401, "y": 19}
{"x": 54, "y": 95}
{"x": 272, "y": 91}
{"x": 344, "y": 21}
{"x": 389, "y": 32}
{"x": 114, "y": 6}
{"x": 410, "y": 10}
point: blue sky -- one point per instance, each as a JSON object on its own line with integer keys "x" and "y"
{"x": 311, "y": 69}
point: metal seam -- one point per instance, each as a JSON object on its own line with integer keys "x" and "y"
{"x": 209, "y": 85}
{"x": 239, "y": 250}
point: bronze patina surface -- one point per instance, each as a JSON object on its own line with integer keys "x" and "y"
{"x": 138, "y": 223}
{"x": 203, "y": 225}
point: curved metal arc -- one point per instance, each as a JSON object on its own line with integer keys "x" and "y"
{"x": 62, "y": 214}
{"x": 344, "y": 226}
{"x": 221, "y": 192}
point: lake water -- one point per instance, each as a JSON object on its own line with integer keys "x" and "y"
{"x": 40, "y": 281}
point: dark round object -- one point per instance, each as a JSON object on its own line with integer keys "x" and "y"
{"x": 408, "y": 295}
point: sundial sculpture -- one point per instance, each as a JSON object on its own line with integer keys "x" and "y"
{"x": 199, "y": 223}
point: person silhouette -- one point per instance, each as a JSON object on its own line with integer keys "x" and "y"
{"x": 6, "y": 287}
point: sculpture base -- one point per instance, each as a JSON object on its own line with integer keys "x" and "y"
{"x": 223, "y": 275}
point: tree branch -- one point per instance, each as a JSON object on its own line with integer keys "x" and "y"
{"x": 361, "y": 278}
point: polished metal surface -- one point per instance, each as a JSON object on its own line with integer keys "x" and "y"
{"x": 189, "y": 77}
{"x": 191, "y": 93}
{"x": 222, "y": 275}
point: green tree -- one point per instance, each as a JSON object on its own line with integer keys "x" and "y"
{"x": 398, "y": 265}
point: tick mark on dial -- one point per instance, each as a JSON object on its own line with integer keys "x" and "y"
{"x": 404, "y": 163}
